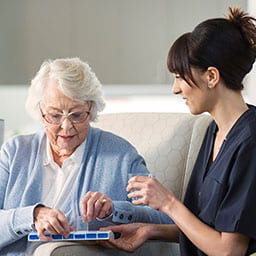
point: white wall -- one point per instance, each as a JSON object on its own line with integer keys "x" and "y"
{"x": 250, "y": 84}
{"x": 12, "y": 108}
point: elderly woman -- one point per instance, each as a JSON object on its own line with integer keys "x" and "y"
{"x": 47, "y": 178}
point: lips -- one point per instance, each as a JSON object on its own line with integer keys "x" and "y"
{"x": 186, "y": 100}
{"x": 64, "y": 137}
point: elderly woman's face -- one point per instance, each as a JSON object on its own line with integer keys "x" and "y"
{"x": 66, "y": 121}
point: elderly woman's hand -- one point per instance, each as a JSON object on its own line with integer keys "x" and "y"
{"x": 95, "y": 205}
{"x": 52, "y": 221}
{"x": 149, "y": 191}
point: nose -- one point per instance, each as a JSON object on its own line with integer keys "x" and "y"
{"x": 66, "y": 124}
{"x": 176, "y": 88}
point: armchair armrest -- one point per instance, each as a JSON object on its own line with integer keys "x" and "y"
{"x": 150, "y": 248}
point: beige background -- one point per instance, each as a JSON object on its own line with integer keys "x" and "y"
{"x": 125, "y": 41}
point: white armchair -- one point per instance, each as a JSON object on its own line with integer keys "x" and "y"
{"x": 169, "y": 142}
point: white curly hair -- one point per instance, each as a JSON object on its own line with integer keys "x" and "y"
{"x": 74, "y": 78}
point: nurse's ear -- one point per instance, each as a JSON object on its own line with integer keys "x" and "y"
{"x": 213, "y": 77}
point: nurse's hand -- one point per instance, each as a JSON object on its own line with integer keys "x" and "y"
{"x": 52, "y": 221}
{"x": 95, "y": 205}
{"x": 131, "y": 236}
{"x": 149, "y": 191}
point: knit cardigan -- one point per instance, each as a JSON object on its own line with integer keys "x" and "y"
{"x": 107, "y": 160}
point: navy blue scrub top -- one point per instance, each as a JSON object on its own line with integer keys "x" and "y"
{"x": 223, "y": 193}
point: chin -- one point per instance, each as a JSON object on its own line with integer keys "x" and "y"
{"x": 195, "y": 111}
{"x": 68, "y": 147}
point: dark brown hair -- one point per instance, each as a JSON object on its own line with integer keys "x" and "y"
{"x": 229, "y": 44}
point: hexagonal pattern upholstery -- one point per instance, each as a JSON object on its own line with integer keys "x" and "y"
{"x": 169, "y": 142}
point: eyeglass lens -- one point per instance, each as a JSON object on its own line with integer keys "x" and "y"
{"x": 74, "y": 117}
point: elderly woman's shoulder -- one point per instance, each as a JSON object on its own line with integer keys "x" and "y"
{"x": 24, "y": 140}
{"x": 109, "y": 138}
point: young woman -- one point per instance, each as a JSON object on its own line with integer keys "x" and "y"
{"x": 217, "y": 216}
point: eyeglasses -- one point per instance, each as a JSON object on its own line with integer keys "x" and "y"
{"x": 57, "y": 118}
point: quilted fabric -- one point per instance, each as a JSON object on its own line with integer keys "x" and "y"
{"x": 169, "y": 142}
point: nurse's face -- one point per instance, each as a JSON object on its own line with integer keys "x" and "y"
{"x": 197, "y": 96}
{"x": 66, "y": 120}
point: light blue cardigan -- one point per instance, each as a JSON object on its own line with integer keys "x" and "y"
{"x": 107, "y": 161}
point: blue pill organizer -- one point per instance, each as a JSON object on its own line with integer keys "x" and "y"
{"x": 75, "y": 236}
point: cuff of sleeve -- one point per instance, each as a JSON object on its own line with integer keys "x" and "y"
{"x": 123, "y": 212}
{"x": 104, "y": 219}
{"x": 23, "y": 220}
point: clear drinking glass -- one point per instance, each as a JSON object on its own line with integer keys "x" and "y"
{"x": 81, "y": 224}
{"x": 130, "y": 175}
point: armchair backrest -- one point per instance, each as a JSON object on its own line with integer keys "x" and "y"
{"x": 169, "y": 142}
